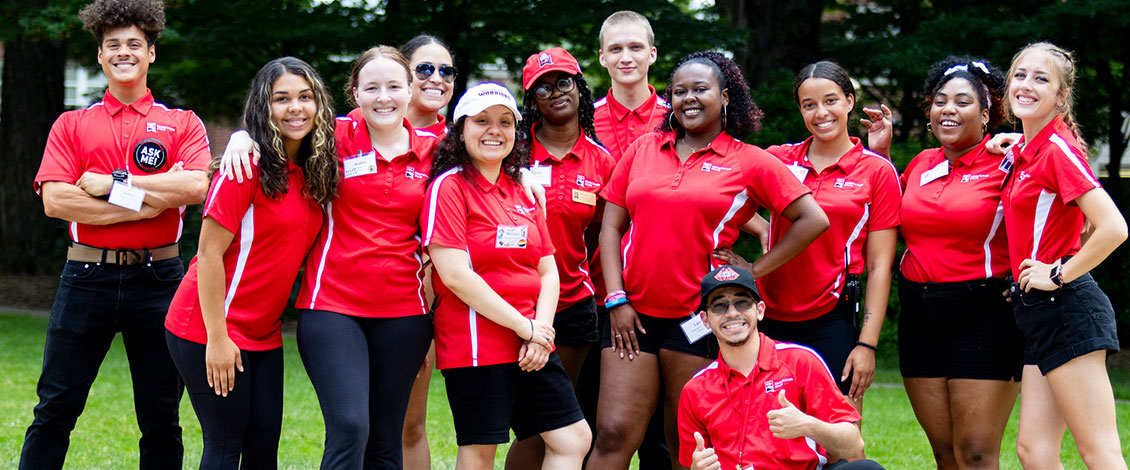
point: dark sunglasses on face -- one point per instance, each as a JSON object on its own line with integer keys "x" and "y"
{"x": 425, "y": 70}
{"x": 721, "y": 308}
{"x": 545, "y": 90}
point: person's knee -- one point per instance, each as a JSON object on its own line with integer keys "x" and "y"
{"x": 1101, "y": 454}
{"x": 614, "y": 436}
{"x": 349, "y": 430}
{"x": 415, "y": 431}
{"x": 1035, "y": 454}
{"x": 572, "y": 440}
{"x": 979, "y": 452}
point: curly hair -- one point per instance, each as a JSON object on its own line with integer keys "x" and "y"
{"x": 532, "y": 114}
{"x": 105, "y": 15}
{"x": 987, "y": 82}
{"x": 452, "y": 152}
{"x": 317, "y": 155}
{"x": 1064, "y": 62}
{"x": 742, "y": 114}
{"x": 370, "y": 55}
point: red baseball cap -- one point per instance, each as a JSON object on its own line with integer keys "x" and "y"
{"x": 554, "y": 59}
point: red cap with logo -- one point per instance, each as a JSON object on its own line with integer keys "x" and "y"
{"x": 554, "y": 59}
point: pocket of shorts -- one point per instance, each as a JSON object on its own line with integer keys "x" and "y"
{"x": 1035, "y": 297}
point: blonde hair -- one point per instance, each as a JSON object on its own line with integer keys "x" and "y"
{"x": 627, "y": 17}
{"x": 370, "y": 55}
{"x": 1063, "y": 61}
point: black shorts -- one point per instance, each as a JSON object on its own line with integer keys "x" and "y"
{"x": 664, "y": 333}
{"x": 575, "y": 325}
{"x": 488, "y": 401}
{"x": 832, "y": 335}
{"x": 958, "y": 330}
{"x": 1066, "y": 323}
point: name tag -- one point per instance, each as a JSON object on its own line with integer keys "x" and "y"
{"x": 364, "y": 164}
{"x": 127, "y": 196}
{"x": 799, "y": 172}
{"x": 694, "y": 328}
{"x": 511, "y": 236}
{"x": 584, "y": 197}
{"x": 543, "y": 174}
{"x": 939, "y": 170}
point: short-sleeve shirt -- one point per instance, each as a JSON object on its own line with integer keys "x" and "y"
{"x": 860, "y": 194}
{"x": 367, "y": 261}
{"x": 505, "y": 236}
{"x": 1048, "y": 174}
{"x": 571, "y": 207}
{"x": 729, "y": 409}
{"x": 272, "y": 236}
{"x": 952, "y": 217}
{"x": 682, "y": 211}
{"x": 144, "y": 138}
{"x": 617, "y": 126}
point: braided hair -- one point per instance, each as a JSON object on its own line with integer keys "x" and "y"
{"x": 742, "y": 114}
{"x": 987, "y": 82}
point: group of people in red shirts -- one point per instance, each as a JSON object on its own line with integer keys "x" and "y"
{"x": 562, "y": 248}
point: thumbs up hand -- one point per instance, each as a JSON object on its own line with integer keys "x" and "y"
{"x": 703, "y": 457}
{"x": 788, "y": 422}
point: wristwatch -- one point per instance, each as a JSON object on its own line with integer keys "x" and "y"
{"x": 1057, "y": 275}
{"x": 119, "y": 175}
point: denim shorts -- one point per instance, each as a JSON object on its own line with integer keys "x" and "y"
{"x": 1066, "y": 323}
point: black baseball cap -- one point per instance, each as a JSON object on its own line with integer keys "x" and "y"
{"x": 727, "y": 275}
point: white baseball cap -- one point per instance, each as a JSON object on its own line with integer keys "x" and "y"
{"x": 484, "y": 95}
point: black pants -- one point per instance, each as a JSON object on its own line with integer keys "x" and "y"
{"x": 362, "y": 370}
{"x": 242, "y": 429}
{"x": 94, "y": 302}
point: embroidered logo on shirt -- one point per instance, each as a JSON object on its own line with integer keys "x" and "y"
{"x": 726, "y": 274}
{"x": 411, "y": 173}
{"x": 845, "y": 183}
{"x": 154, "y": 127}
{"x": 524, "y": 210}
{"x": 774, "y": 385}
{"x": 968, "y": 178}
{"x": 708, "y": 167}
{"x": 1023, "y": 175}
{"x": 586, "y": 183}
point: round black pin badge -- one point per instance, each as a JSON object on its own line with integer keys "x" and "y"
{"x": 150, "y": 155}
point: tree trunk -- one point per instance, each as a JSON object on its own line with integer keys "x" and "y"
{"x": 1115, "y": 136}
{"x": 782, "y": 34}
{"x": 31, "y": 100}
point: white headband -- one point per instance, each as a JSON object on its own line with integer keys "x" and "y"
{"x": 965, "y": 68}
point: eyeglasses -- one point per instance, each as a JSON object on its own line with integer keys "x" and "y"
{"x": 545, "y": 90}
{"x": 721, "y": 308}
{"x": 425, "y": 70}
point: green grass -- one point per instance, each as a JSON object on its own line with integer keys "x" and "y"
{"x": 106, "y": 435}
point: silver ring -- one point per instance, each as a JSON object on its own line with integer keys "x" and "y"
{"x": 547, "y": 339}
{"x": 618, "y": 336}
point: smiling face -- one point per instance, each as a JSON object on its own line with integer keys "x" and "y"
{"x": 733, "y": 327}
{"x": 489, "y": 136}
{"x": 697, "y": 99}
{"x": 824, "y": 108}
{"x": 558, "y": 107}
{"x": 956, "y": 116}
{"x": 382, "y": 93}
{"x": 432, "y": 94}
{"x": 626, "y": 53}
{"x": 1035, "y": 92}
{"x": 125, "y": 56}
{"x": 293, "y": 108}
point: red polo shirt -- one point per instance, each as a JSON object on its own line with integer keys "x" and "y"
{"x": 571, "y": 200}
{"x": 952, "y": 217}
{"x": 681, "y": 212}
{"x": 367, "y": 261}
{"x": 617, "y": 126}
{"x": 860, "y": 194}
{"x": 144, "y": 138}
{"x": 505, "y": 236}
{"x": 729, "y": 409}
{"x": 272, "y": 236}
{"x": 1049, "y": 173}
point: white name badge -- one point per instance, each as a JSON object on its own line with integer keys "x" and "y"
{"x": 511, "y": 236}
{"x": 127, "y": 196}
{"x": 543, "y": 174}
{"x": 939, "y": 170}
{"x": 364, "y": 164}
{"x": 694, "y": 328}
{"x": 799, "y": 172}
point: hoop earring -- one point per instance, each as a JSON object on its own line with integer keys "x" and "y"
{"x": 724, "y": 117}
{"x": 929, "y": 127}
{"x": 671, "y": 121}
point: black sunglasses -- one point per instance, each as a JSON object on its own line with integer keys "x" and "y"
{"x": 721, "y": 308}
{"x": 545, "y": 90}
{"x": 425, "y": 70}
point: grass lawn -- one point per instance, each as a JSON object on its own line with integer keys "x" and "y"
{"x": 106, "y": 435}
